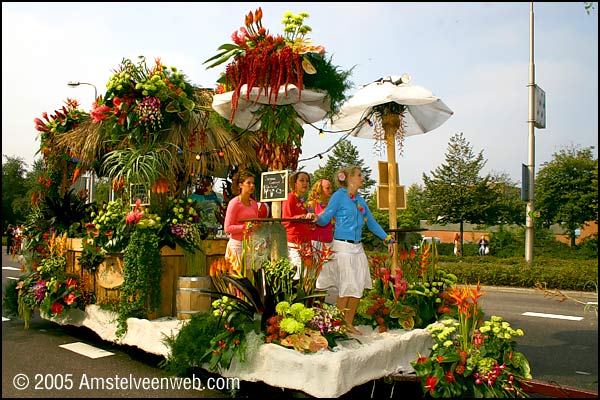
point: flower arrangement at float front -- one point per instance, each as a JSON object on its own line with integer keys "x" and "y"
{"x": 272, "y": 73}
{"x": 412, "y": 296}
{"x": 256, "y": 304}
{"x": 48, "y": 287}
{"x": 306, "y": 329}
{"x": 471, "y": 357}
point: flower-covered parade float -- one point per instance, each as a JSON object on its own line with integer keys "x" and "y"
{"x": 115, "y": 266}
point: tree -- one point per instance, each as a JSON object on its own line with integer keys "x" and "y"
{"x": 566, "y": 189}
{"x": 589, "y": 6}
{"x": 344, "y": 155}
{"x": 13, "y": 189}
{"x": 456, "y": 193}
{"x": 416, "y": 201}
{"x": 511, "y": 209}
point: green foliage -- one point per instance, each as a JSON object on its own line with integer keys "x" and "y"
{"x": 417, "y": 202}
{"x": 329, "y": 76}
{"x": 102, "y": 188}
{"x": 510, "y": 209}
{"x": 13, "y": 189}
{"x": 65, "y": 213}
{"x": 10, "y": 301}
{"x": 456, "y": 193}
{"x": 142, "y": 268}
{"x": 213, "y": 338}
{"x": 589, "y": 247}
{"x": 566, "y": 189}
{"x": 555, "y": 273}
{"x": 91, "y": 256}
{"x": 141, "y": 165}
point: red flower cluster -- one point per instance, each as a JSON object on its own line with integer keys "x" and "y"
{"x": 379, "y": 311}
{"x": 274, "y": 333}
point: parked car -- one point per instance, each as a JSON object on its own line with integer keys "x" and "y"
{"x": 427, "y": 240}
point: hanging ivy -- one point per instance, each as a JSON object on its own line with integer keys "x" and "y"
{"x": 140, "y": 291}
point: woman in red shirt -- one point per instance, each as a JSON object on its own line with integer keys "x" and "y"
{"x": 296, "y": 206}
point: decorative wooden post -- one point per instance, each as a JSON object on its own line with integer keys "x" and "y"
{"x": 391, "y": 123}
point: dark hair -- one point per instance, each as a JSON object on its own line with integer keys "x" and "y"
{"x": 294, "y": 178}
{"x": 239, "y": 178}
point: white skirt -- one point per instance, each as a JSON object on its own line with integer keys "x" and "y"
{"x": 347, "y": 274}
{"x": 233, "y": 251}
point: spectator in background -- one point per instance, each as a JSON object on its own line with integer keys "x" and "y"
{"x": 10, "y": 236}
{"x": 483, "y": 246}
{"x": 457, "y": 246}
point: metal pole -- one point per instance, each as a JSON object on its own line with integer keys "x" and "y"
{"x": 73, "y": 84}
{"x": 90, "y": 177}
{"x": 529, "y": 232}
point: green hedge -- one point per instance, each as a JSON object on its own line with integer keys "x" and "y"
{"x": 554, "y": 273}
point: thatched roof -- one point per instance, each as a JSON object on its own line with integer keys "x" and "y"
{"x": 205, "y": 145}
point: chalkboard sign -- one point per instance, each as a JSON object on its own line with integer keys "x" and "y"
{"x": 274, "y": 186}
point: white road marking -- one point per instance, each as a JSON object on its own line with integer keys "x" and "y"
{"x": 582, "y": 373}
{"x": 11, "y": 268}
{"x": 86, "y": 350}
{"x": 4, "y": 319}
{"x": 556, "y": 316}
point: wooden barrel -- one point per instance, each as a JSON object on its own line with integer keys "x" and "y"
{"x": 190, "y": 299}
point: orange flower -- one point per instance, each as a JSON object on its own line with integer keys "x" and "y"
{"x": 449, "y": 377}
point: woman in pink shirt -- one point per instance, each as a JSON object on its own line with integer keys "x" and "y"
{"x": 242, "y": 206}
{"x": 317, "y": 201}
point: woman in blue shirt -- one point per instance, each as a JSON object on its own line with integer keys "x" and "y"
{"x": 348, "y": 274}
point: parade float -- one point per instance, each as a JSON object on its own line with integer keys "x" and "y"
{"x": 126, "y": 268}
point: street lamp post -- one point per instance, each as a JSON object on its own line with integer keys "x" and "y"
{"x": 90, "y": 175}
{"x": 75, "y": 83}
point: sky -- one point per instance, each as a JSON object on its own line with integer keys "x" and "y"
{"x": 474, "y": 56}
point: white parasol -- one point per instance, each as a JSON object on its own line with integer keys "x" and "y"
{"x": 424, "y": 111}
{"x": 390, "y": 109}
{"x": 311, "y": 105}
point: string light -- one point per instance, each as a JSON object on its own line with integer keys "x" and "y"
{"x": 321, "y": 134}
{"x": 320, "y": 156}
{"x": 198, "y": 156}
{"x": 221, "y": 153}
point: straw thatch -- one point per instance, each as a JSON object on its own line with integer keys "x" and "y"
{"x": 205, "y": 145}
